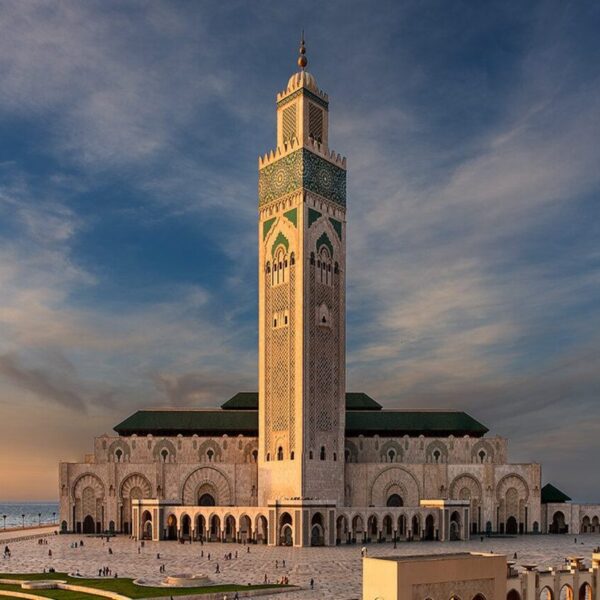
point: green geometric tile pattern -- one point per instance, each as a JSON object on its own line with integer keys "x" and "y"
{"x": 313, "y": 215}
{"x": 337, "y": 225}
{"x": 280, "y": 239}
{"x": 302, "y": 169}
{"x": 325, "y": 241}
{"x": 267, "y": 226}
{"x": 292, "y": 216}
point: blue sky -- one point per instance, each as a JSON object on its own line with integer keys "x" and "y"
{"x": 129, "y": 137}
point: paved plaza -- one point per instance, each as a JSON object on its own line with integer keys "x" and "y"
{"x": 336, "y": 571}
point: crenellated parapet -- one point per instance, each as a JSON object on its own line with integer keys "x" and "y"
{"x": 313, "y": 145}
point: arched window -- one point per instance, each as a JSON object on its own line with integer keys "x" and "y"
{"x": 268, "y": 267}
{"x": 334, "y": 456}
{"x": 324, "y": 266}
{"x": 392, "y": 455}
{"x": 280, "y": 266}
{"x": 210, "y": 454}
{"x": 118, "y": 455}
{"x": 292, "y": 455}
{"x": 268, "y": 456}
{"x": 254, "y": 455}
{"x": 322, "y": 455}
{"x": 482, "y": 456}
{"x": 280, "y": 453}
{"x": 310, "y": 454}
{"x": 292, "y": 259}
{"x": 436, "y": 456}
{"x": 164, "y": 455}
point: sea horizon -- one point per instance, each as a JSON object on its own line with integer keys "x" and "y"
{"x": 27, "y": 513}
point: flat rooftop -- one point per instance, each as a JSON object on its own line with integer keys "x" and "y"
{"x": 441, "y": 556}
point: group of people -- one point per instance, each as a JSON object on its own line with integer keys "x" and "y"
{"x": 78, "y": 544}
{"x": 106, "y": 572}
{"x": 42, "y": 542}
{"x": 7, "y": 552}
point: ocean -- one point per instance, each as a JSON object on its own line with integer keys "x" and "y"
{"x": 14, "y": 511}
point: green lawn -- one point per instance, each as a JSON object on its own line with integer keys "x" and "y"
{"x": 120, "y": 585}
{"x": 55, "y": 594}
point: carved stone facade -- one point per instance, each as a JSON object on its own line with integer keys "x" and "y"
{"x": 302, "y": 462}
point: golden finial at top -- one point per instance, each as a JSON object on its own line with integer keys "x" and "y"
{"x": 302, "y": 60}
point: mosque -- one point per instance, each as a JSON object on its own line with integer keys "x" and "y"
{"x": 303, "y": 461}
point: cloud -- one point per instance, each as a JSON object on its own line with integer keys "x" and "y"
{"x": 40, "y": 383}
{"x": 201, "y": 388}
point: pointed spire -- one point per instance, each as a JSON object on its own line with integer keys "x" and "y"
{"x": 302, "y": 60}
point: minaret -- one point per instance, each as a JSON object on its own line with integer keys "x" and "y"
{"x": 302, "y": 302}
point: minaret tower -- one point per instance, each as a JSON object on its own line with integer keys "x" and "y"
{"x": 302, "y": 304}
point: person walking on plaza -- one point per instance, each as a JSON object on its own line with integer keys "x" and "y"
{"x": 312, "y": 584}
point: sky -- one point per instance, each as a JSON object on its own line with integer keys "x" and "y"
{"x": 129, "y": 137}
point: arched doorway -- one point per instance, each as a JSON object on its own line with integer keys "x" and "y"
{"x": 317, "y": 530}
{"x": 88, "y": 525}
{"x": 206, "y": 500}
{"x": 286, "y": 534}
{"x": 388, "y": 528}
{"x": 262, "y": 530}
{"x": 585, "y": 592}
{"x": 416, "y": 527}
{"x": 172, "y": 527}
{"x": 402, "y": 525}
{"x": 455, "y": 526}
{"x": 429, "y": 528}
{"x": 200, "y": 527}
{"x": 358, "y": 530}
{"x": 372, "y": 529}
{"x": 513, "y": 595}
{"x": 566, "y": 592}
{"x": 558, "y": 523}
{"x": 215, "y": 529}
{"x": 230, "y": 529}
{"x": 546, "y": 594}
{"x": 245, "y": 528}
{"x": 512, "y": 527}
{"x": 186, "y": 527}
{"x": 395, "y": 500}
{"x": 586, "y": 524}
{"x": 341, "y": 530}
{"x": 147, "y": 525}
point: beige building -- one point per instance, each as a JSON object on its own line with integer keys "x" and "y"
{"x": 474, "y": 576}
{"x": 302, "y": 461}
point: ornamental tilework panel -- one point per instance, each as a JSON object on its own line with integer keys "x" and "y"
{"x": 280, "y": 363}
{"x": 324, "y": 371}
{"x": 302, "y": 169}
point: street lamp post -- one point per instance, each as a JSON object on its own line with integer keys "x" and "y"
{"x": 23, "y": 517}
{"x": 39, "y": 519}
{"x": 4, "y": 517}
{"x": 53, "y": 517}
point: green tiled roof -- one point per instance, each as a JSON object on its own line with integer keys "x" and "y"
{"x": 430, "y": 423}
{"x": 361, "y": 401}
{"x": 242, "y": 401}
{"x": 245, "y": 422}
{"x": 551, "y": 494}
{"x": 188, "y": 422}
{"x": 249, "y": 401}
